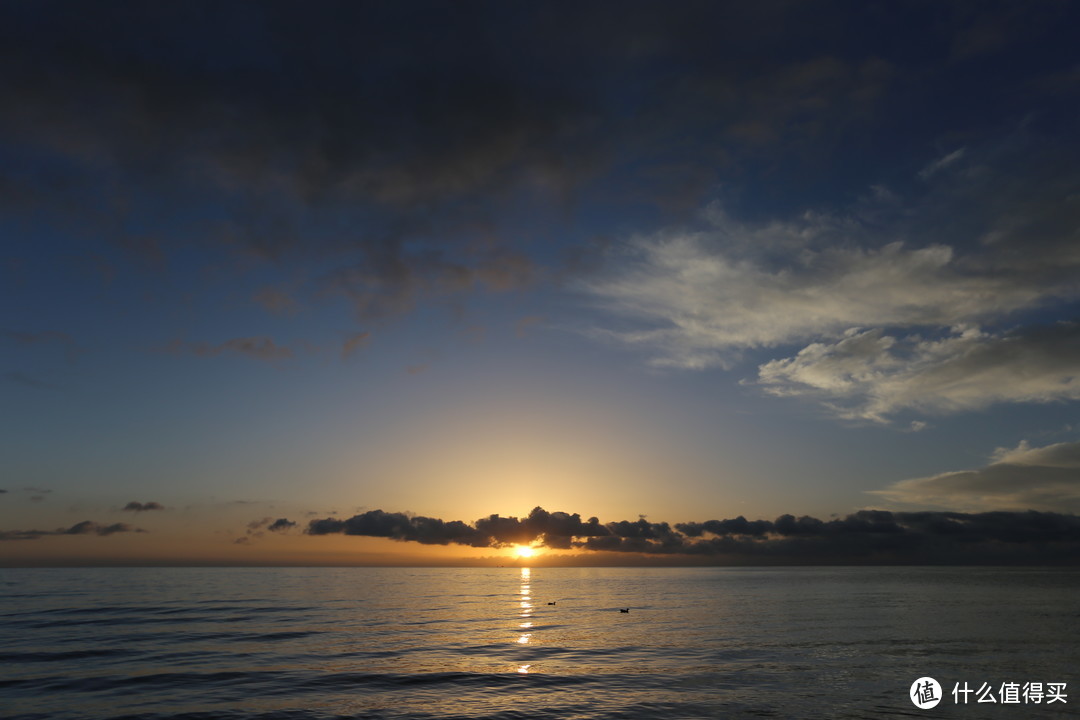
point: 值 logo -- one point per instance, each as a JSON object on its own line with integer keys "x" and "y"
{"x": 925, "y": 693}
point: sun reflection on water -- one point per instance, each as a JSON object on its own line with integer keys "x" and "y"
{"x": 525, "y": 602}
{"x": 527, "y": 609}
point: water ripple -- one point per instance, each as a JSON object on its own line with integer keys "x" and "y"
{"x": 448, "y": 644}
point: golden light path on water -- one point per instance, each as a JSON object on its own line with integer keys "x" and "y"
{"x": 526, "y": 614}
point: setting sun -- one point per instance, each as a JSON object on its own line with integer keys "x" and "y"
{"x": 524, "y": 551}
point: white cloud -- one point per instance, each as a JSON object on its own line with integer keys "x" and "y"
{"x": 870, "y": 375}
{"x": 1025, "y": 478}
{"x": 704, "y": 296}
{"x": 1061, "y": 455}
{"x": 884, "y": 324}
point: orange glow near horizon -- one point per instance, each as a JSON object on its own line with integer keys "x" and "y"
{"x": 524, "y": 551}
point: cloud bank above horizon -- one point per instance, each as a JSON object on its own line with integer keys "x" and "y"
{"x": 867, "y": 536}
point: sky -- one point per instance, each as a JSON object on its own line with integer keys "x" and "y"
{"x": 430, "y": 282}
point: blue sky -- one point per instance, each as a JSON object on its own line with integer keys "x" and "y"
{"x": 457, "y": 259}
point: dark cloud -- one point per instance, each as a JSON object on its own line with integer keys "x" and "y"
{"x": 280, "y": 525}
{"x": 395, "y": 286}
{"x": 737, "y": 526}
{"x": 395, "y": 130}
{"x": 409, "y": 129}
{"x": 557, "y": 528}
{"x": 398, "y": 526}
{"x": 134, "y": 506}
{"x": 86, "y": 527}
{"x": 867, "y": 536}
{"x": 256, "y": 528}
{"x": 25, "y": 534}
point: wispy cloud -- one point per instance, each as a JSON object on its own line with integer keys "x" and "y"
{"x": 1043, "y": 478}
{"x": 353, "y": 343}
{"x": 524, "y": 325}
{"x": 941, "y": 163}
{"x": 86, "y": 527}
{"x": 702, "y": 301}
{"x": 262, "y": 348}
{"x": 275, "y": 301}
{"x": 258, "y": 347}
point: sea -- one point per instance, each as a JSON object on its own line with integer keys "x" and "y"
{"x": 516, "y": 642}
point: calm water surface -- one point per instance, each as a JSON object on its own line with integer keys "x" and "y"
{"x": 313, "y": 644}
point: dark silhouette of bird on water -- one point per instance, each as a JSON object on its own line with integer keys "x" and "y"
{"x": 624, "y": 610}
{"x": 551, "y": 603}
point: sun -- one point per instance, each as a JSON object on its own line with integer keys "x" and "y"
{"x": 524, "y": 551}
